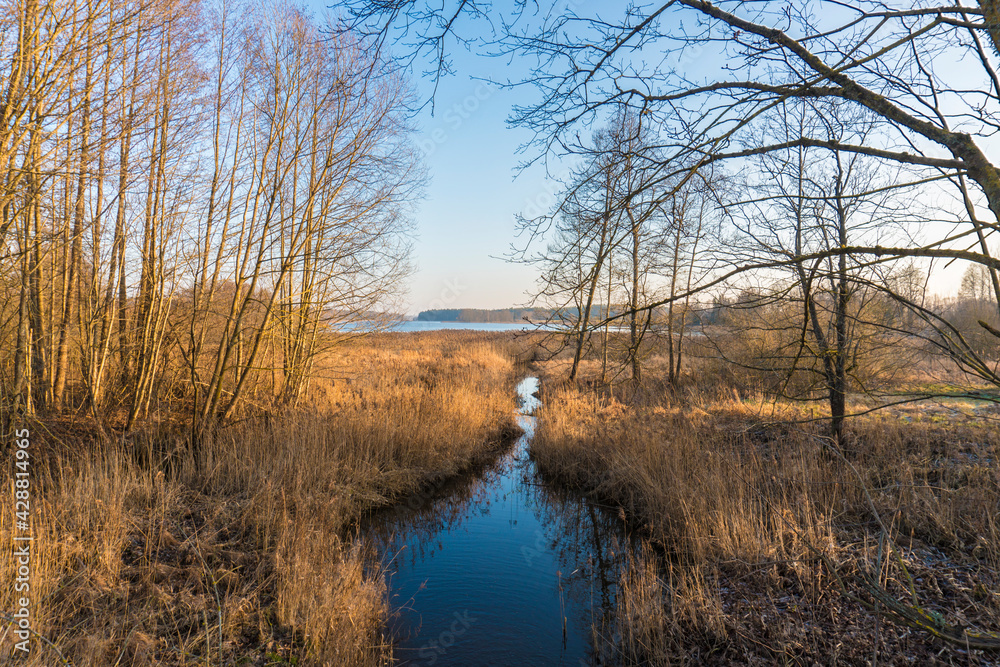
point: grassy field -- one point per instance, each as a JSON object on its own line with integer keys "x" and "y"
{"x": 764, "y": 544}
{"x": 768, "y": 545}
{"x": 149, "y": 551}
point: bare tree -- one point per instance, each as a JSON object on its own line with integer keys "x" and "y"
{"x": 804, "y": 200}
{"x": 134, "y": 262}
{"x": 892, "y": 62}
{"x": 317, "y": 176}
{"x": 605, "y": 217}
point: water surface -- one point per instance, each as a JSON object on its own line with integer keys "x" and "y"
{"x": 499, "y": 568}
{"x": 426, "y": 325}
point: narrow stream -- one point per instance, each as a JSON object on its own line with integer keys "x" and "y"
{"x": 498, "y": 568}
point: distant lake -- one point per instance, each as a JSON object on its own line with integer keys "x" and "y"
{"x": 419, "y": 325}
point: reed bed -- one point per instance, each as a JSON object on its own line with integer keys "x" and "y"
{"x": 768, "y": 545}
{"x": 150, "y": 551}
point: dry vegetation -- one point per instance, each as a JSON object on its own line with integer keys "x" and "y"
{"x": 148, "y": 551}
{"x": 767, "y": 546}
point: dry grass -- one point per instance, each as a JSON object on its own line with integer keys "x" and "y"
{"x": 148, "y": 551}
{"x": 764, "y": 534}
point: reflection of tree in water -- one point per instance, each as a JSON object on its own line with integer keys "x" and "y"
{"x": 420, "y": 522}
{"x": 593, "y": 546}
{"x": 590, "y": 544}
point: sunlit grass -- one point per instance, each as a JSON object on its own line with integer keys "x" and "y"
{"x": 762, "y": 527}
{"x": 151, "y": 551}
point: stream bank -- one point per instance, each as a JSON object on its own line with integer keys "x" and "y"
{"x": 498, "y": 567}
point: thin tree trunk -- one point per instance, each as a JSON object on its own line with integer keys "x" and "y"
{"x": 838, "y": 390}
{"x": 71, "y": 303}
{"x": 635, "y": 336}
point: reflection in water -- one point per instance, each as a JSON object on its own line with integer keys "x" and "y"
{"x": 498, "y": 568}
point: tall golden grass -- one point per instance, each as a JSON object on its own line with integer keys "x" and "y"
{"x": 766, "y": 535}
{"x": 148, "y": 551}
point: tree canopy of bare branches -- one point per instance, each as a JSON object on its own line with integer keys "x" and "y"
{"x": 193, "y": 191}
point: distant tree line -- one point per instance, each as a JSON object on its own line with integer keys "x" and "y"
{"x": 498, "y": 315}
{"x": 534, "y": 315}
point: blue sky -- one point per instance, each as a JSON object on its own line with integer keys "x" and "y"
{"x": 466, "y": 223}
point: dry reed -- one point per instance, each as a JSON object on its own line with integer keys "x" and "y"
{"x": 150, "y": 551}
{"x": 765, "y": 535}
